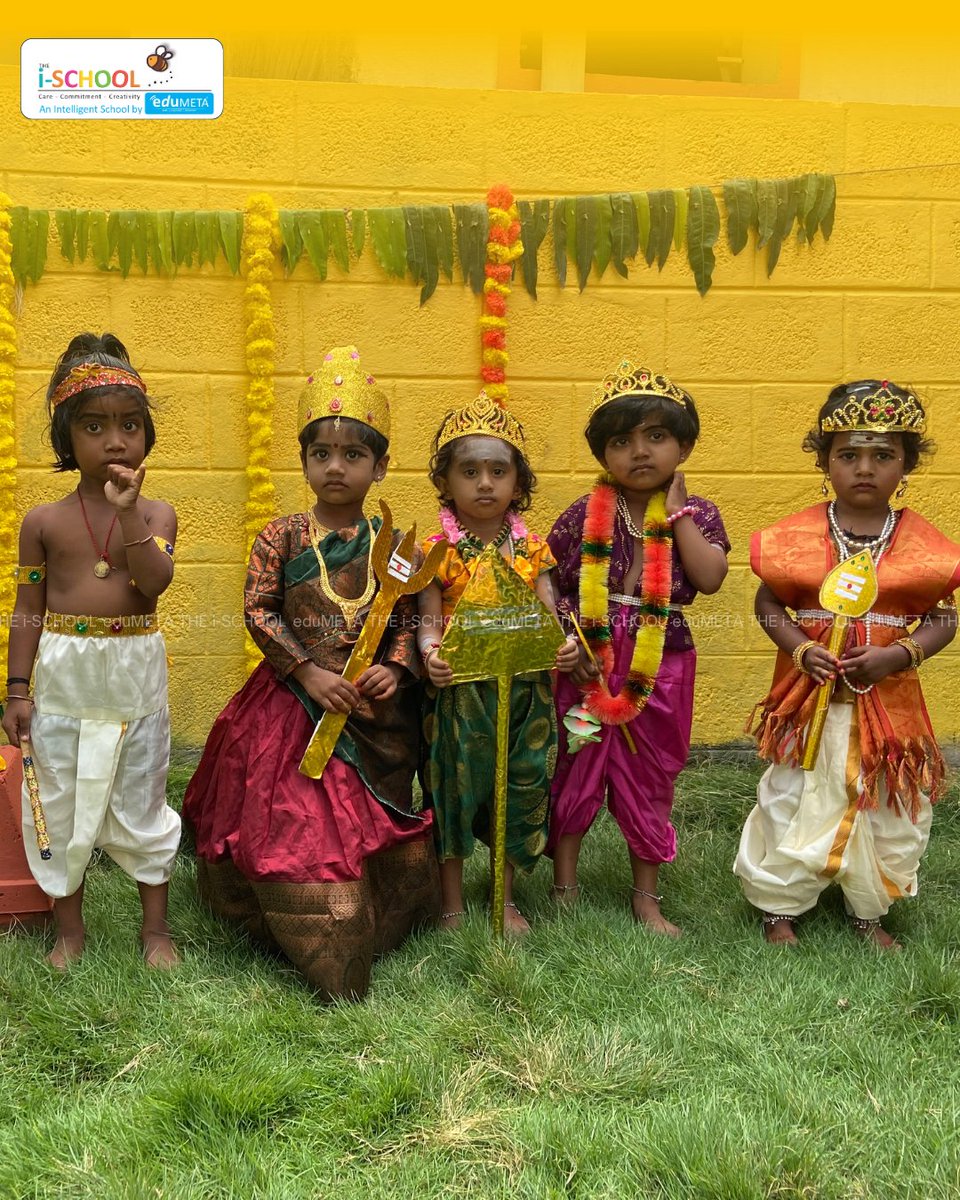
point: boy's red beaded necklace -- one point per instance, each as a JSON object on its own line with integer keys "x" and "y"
{"x": 103, "y": 565}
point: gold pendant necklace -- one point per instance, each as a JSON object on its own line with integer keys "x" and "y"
{"x": 103, "y": 566}
{"x": 349, "y": 609}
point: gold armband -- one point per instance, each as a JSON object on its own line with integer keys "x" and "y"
{"x": 948, "y": 602}
{"x": 30, "y": 574}
{"x": 164, "y": 545}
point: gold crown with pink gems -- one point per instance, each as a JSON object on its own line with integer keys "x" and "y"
{"x": 878, "y": 411}
{"x": 340, "y": 387}
{"x": 626, "y": 379}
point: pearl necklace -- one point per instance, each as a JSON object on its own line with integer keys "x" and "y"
{"x": 628, "y": 520}
{"x": 876, "y": 548}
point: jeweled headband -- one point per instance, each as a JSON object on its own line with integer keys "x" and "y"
{"x": 880, "y": 410}
{"x": 92, "y": 375}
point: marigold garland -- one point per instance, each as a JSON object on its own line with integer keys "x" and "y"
{"x": 654, "y": 609}
{"x": 504, "y": 247}
{"x": 260, "y": 245}
{"x": 8, "y": 453}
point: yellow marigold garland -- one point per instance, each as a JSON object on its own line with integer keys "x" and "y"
{"x": 503, "y": 248}
{"x": 260, "y": 244}
{"x": 8, "y": 452}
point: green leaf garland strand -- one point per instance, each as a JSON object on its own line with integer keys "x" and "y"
{"x": 425, "y": 240}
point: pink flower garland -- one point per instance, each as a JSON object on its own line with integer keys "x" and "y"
{"x": 453, "y": 531}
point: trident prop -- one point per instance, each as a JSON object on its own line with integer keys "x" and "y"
{"x": 33, "y": 791}
{"x": 849, "y": 591}
{"x": 397, "y": 578}
{"x": 500, "y": 628}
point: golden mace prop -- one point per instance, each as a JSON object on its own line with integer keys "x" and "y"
{"x": 849, "y": 591}
{"x": 499, "y": 629}
{"x": 395, "y": 574}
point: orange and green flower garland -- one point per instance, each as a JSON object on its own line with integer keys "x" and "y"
{"x": 8, "y": 453}
{"x": 504, "y": 247}
{"x": 260, "y": 241}
{"x": 656, "y": 582}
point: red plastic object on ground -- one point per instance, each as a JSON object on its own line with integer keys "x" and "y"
{"x": 21, "y": 900}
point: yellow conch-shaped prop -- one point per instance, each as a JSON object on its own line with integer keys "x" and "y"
{"x": 849, "y": 591}
{"x": 395, "y": 574}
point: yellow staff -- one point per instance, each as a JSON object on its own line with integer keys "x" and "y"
{"x": 33, "y": 791}
{"x": 849, "y": 591}
{"x": 395, "y": 574}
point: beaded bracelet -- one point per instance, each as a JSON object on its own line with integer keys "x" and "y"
{"x": 914, "y": 649}
{"x": 687, "y": 511}
{"x": 799, "y": 652}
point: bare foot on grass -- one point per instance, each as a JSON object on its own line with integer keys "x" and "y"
{"x": 646, "y": 911}
{"x": 515, "y": 924}
{"x": 450, "y": 921}
{"x": 876, "y": 935}
{"x": 67, "y": 949}
{"x": 779, "y": 931}
{"x": 565, "y": 895}
{"x": 159, "y": 951}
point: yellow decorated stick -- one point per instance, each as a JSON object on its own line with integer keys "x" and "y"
{"x": 395, "y": 574}
{"x": 499, "y": 629}
{"x": 33, "y": 791}
{"x": 849, "y": 591}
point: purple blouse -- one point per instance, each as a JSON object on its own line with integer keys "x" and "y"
{"x": 565, "y": 540}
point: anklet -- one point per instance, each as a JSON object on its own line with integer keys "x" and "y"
{"x": 565, "y": 887}
{"x": 461, "y": 912}
{"x": 649, "y": 895}
{"x": 775, "y": 918}
{"x": 864, "y": 924}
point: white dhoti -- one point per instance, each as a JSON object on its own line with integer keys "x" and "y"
{"x": 100, "y": 737}
{"x": 807, "y": 831}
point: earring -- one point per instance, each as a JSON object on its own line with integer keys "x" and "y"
{"x": 902, "y": 488}
{"x": 824, "y": 490}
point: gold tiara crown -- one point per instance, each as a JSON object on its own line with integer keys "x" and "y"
{"x": 626, "y": 379}
{"x": 482, "y": 416}
{"x": 340, "y": 387}
{"x": 880, "y": 411}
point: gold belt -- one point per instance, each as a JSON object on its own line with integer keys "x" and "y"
{"x": 133, "y": 626}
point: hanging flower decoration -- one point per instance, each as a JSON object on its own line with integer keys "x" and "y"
{"x": 260, "y": 244}
{"x": 8, "y": 452}
{"x": 504, "y": 247}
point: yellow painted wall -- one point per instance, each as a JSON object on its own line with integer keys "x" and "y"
{"x": 881, "y": 299}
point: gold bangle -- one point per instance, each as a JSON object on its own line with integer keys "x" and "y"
{"x": 799, "y": 652}
{"x": 29, "y": 699}
{"x": 140, "y": 541}
{"x": 914, "y": 649}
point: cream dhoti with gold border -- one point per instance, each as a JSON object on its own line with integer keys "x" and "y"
{"x": 807, "y": 830}
{"x": 101, "y": 746}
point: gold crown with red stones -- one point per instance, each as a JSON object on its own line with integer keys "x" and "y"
{"x": 340, "y": 387}
{"x": 878, "y": 411}
{"x": 626, "y": 379}
{"x": 485, "y": 417}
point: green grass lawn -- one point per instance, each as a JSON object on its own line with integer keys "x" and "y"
{"x": 595, "y": 1060}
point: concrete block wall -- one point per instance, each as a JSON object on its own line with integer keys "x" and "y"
{"x": 882, "y": 298}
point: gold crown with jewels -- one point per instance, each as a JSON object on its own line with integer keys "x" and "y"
{"x": 340, "y": 387}
{"x": 482, "y": 416}
{"x": 626, "y": 379}
{"x": 878, "y": 411}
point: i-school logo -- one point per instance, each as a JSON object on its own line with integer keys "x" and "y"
{"x": 121, "y": 78}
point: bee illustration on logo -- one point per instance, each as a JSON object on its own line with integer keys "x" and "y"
{"x": 159, "y": 60}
